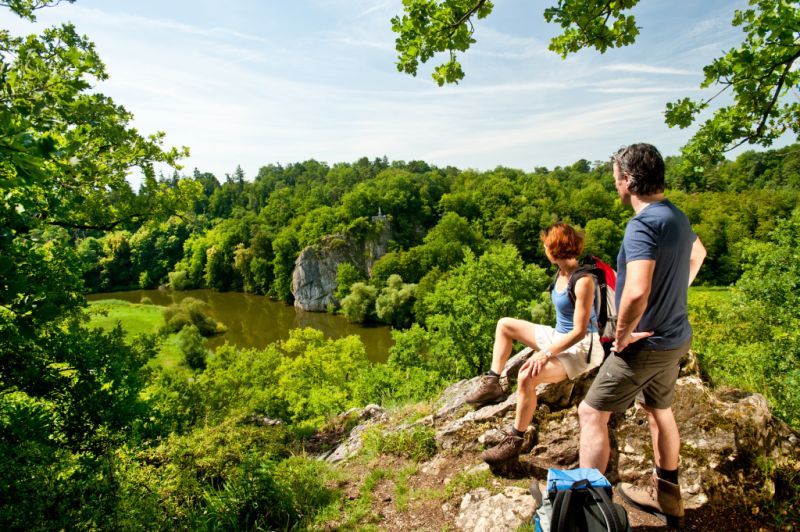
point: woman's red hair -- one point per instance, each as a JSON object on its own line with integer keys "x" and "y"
{"x": 562, "y": 241}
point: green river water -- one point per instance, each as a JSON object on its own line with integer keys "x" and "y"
{"x": 256, "y": 321}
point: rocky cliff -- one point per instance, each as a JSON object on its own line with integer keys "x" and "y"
{"x": 314, "y": 275}
{"x": 735, "y": 457}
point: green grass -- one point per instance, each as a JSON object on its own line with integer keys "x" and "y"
{"x": 708, "y": 294}
{"x": 136, "y": 319}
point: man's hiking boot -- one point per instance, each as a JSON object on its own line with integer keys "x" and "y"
{"x": 661, "y": 498}
{"x": 506, "y": 450}
{"x": 487, "y": 391}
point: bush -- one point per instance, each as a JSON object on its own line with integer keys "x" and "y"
{"x": 359, "y": 306}
{"x": 389, "y": 384}
{"x": 316, "y": 377}
{"x": 179, "y": 280}
{"x": 192, "y": 347}
{"x": 394, "y": 305}
{"x": 191, "y": 311}
{"x": 269, "y": 496}
{"x": 146, "y": 301}
{"x": 751, "y": 340}
{"x": 346, "y": 276}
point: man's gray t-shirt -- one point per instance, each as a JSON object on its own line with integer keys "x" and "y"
{"x": 660, "y": 232}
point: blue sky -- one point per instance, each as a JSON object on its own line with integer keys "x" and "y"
{"x": 256, "y": 82}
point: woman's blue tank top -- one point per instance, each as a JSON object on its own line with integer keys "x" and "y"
{"x": 565, "y": 311}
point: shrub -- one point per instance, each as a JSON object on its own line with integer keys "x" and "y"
{"x": 191, "y": 311}
{"x": 179, "y": 280}
{"x": 359, "y": 306}
{"x": 346, "y": 276}
{"x": 316, "y": 377}
{"x": 394, "y": 305}
{"x": 192, "y": 347}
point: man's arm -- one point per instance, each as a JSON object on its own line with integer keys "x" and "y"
{"x": 633, "y": 303}
{"x": 696, "y": 259}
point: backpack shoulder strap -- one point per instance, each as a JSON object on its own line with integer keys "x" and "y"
{"x": 582, "y": 271}
{"x": 560, "y": 511}
{"x": 600, "y": 304}
{"x": 606, "y": 507}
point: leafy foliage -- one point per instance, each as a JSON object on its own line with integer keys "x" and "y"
{"x": 395, "y": 303}
{"x": 752, "y": 341}
{"x": 359, "y": 305}
{"x": 191, "y": 312}
{"x": 464, "y": 308}
{"x": 192, "y": 347}
{"x": 761, "y": 77}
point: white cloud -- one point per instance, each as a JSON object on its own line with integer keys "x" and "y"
{"x": 648, "y": 69}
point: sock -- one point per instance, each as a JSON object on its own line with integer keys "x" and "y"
{"x": 670, "y": 475}
{"x": 516, "y": 432}
{"x": 492, "y": 373}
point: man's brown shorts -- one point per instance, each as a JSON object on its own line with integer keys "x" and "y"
{"x": 649, "y": 372}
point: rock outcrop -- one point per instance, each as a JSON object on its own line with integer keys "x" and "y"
{"x": 731, "y": 445}
{"x": 314, "y": 275}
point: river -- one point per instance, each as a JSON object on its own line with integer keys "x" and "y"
{"x": 256, "y": 321}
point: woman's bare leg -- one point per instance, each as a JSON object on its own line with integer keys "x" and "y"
{"x": 553, "y": 371}
{"x": 508, "y": 330}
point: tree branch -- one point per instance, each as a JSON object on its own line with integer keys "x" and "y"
{"x": 777, "y": 93}
{"x": 104, "y": 227}
{"x": 467, "y": 15}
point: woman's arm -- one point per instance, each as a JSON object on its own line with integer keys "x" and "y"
{"x": 584, "y": 297}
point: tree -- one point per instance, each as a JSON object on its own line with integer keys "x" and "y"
{"x": 463, "y": 310}
{"x": 759, "y": 73}
{"x": 68, "y": 395}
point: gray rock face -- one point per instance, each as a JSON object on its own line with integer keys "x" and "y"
{"x": 314, "y": 275}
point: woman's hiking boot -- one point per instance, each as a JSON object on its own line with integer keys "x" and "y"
{"x": 488, "y": 390}
{"x": 661, "y": 498}
{"x": 508, "y": 449}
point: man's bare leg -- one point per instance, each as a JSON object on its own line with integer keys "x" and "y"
{"x": 595, "y": 447}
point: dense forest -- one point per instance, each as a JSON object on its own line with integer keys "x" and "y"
{"x": 95, "y": 436}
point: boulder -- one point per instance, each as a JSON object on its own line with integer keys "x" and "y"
{"x": 480, "y": 511}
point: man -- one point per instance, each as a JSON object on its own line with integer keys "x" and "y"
{"x": 658, "y": 260}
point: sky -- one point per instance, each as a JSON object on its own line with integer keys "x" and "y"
{"x": 257, "y": 82}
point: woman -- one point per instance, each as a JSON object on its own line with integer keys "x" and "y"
{"x": 564, "y": 352}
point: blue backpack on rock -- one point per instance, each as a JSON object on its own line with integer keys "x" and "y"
{"x": 578, "y": 500}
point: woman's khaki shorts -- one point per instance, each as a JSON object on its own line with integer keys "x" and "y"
{"x": 576, "y": 359}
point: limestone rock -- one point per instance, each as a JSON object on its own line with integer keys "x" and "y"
{"x": 482, "y": 512}
{"x": 314, "y": 275}
{"x": 722, "y": 437}
{"x": 369, "y": 415}
{"x": 725, "y": 435}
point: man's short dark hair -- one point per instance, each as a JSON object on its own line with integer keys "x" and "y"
{"x": 644, "y": 166}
